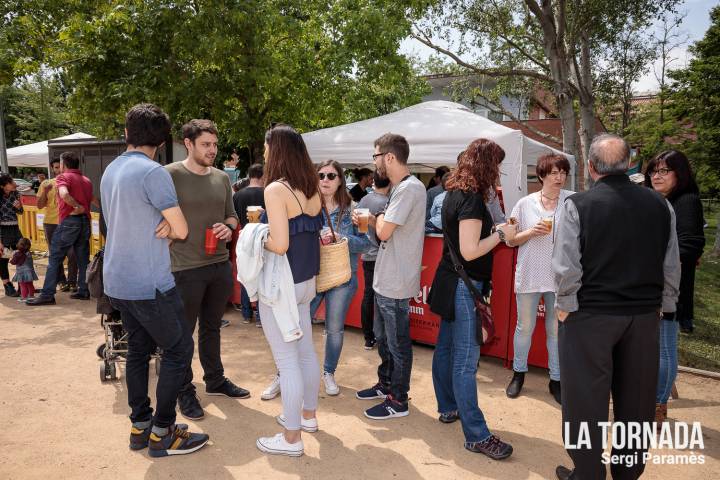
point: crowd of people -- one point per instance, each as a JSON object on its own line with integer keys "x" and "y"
{"x": 613, "y": 266}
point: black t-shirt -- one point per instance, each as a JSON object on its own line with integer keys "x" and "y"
{"x": 357, "y": 192}
{"x": 248, "y": 196}
{"x": 457, "y": 206}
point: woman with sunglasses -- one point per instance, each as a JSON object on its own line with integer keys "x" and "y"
{"x": 338, "y": 203}
{"x": 669, "y": 174}
{"x": 535, "y": 215}
{"x": 294, "y": 216}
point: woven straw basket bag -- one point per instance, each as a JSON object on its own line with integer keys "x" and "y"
{"x": 334, "y": 260}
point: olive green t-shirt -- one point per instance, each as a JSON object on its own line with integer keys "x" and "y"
{"x": 204, "y": 200}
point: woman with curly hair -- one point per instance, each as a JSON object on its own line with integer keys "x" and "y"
{"x": 470, "y": 238}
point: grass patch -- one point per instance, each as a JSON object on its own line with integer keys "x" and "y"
{"x": 701, "y": 349}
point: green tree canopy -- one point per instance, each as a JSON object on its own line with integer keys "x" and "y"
{"x": 242, "y": 63}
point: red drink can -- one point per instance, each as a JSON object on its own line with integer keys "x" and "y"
{"x": 211, "y": 241}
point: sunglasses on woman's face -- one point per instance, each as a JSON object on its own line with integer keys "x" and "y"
{"x": 330, "y": 176}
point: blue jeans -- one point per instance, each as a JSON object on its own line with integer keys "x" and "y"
{"x": 668, "y": 359}
{"x": 527, "y": 304}
{"x": 454, "y": 366}
{"x": 247, "y": 309}
{"x": 337, "y": 302}
{"x": 150, "y": 324}
{"x": 392, "y": 331}
{"x": 73, "y": 232}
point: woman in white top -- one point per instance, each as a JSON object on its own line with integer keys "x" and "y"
{"x": 535, "y": 215}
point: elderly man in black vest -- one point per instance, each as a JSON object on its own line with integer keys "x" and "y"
{"x": 617, "y": 270}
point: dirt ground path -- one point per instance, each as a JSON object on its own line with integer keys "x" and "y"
{"x": 61, "y": 422}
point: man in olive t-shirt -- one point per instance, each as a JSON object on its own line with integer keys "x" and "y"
{"x": 204, "y": 278}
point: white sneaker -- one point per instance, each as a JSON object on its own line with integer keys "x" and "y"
{"x": 273, "y": 390}
{"x": 277, "y": 445}
{"x": 306, "y": 425}
{"x": 331, "y": 388}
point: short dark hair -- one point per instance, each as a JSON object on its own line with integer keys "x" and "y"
{"x": 147, "y": 125}
{"x": 380, "y": 181}
{"x": 255, "y": 171}
{"x": 54, "y": 160}
{"x": 5, "y": 179}
{"x": 444, "y": 178}
{"x": 359, "y": 173}
{"x": 196, "y": 127}
{"x": 546, "y": 163}
{"x": 70, "y": 160}
{"x": 678, "y": 163}
{"x": 395, "y": 144}
{"x": 440, "y": 171}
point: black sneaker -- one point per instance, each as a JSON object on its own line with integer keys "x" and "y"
{"x": 176, "y": 442}
{"x": 80, "y": 296}
{"x": 554, "y": 387}
{"x": 492, "y": 446}
{"x": 139, "y": 437}
{"x": 390, "y": 408}
{"x": 190, "y": 406}
{"x": 449, "y": 417}
{"x": 229, "y": 389}
{"x": 370, "y": 344}
{"x": 376, "y": 391}
{"x": 41, "y": 300}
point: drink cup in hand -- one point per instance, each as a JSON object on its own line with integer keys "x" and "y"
{"x": 548, "y": 221}
{"x": 253, "y": 213}
{"x": 326, "y": 237}
{"x": 363, "y": 215}
{"x": 211, "y": 241}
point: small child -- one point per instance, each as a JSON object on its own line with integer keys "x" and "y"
{"x": 24, "y": 271}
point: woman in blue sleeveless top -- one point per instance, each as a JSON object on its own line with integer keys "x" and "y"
{"x": 293, "y": 214}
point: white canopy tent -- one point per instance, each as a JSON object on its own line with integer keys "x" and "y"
{"x": 437, "y": 131}
{"x": 35, "y": 155}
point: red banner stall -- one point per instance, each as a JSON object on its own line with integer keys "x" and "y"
{"x": 424, "y": 324}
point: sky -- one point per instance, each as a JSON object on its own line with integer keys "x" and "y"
{"x": 694, "y": 26}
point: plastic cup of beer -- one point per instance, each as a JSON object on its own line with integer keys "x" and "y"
{"x": 253, "y": 213}
{"x": 548, "y": 221}
{"x": 363, "y": 215}
{"x": 211, "y": 241}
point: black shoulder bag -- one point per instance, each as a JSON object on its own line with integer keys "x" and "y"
{"x": 485, "y": 331}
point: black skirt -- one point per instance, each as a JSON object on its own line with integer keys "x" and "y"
{"x": 10, "y": 235}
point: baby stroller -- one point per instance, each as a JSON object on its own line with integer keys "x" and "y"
{"x": 114, "y": 349}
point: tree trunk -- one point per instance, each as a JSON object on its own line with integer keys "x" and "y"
{"x": 715, "y": 252}
{"x": 587, "y": 104}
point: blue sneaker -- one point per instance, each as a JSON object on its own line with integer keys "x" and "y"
{"x": 390, "y": 408}
{"x": 139, "y": 437}
{"x": 176, "y": 442}
{"x": 376, "y": 391}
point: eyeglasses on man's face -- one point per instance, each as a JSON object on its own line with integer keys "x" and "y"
{"x": 660, "y": 171}
{"x": 375, "y": 155}
{"x": 330, "y": 176}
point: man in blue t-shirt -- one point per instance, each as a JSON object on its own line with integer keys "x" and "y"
{"x": 141, "y": 209}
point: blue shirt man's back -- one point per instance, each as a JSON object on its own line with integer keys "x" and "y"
{"x": 134, "y": 190}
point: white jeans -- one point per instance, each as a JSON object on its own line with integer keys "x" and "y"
{"x": 296, "y": 361}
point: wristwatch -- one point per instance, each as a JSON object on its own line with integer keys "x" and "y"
{"x": 500, "y": 233}
{"x": 232, "y": 229}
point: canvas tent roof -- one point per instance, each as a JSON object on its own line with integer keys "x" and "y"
{"x": 437, "y": 131}
{"x": 35, "y": 155}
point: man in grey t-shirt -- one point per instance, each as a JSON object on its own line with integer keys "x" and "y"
{"x": 401, "y": 232}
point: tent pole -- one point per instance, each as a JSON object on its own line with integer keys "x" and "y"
{"x": 3, "y": 152}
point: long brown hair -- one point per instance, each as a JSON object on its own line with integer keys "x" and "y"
{"x": 478, "y": 168}
{"x": 342, "y": 197}
{"x": 288, "y": 159}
